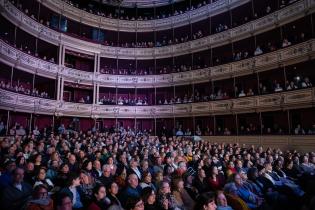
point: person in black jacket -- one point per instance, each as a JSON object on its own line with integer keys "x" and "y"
{"x": 17, "y": 193}
{"x": 200, "y": 182}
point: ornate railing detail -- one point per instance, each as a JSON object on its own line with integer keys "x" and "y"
{"x": 19, "y": 102}
{"x": 295, "y": 53}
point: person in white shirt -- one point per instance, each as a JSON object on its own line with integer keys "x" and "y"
{"x": 306, "y": 83}
{"x": 258, "y": 51}
{"x": 299, "y": 130}
{"x": 292, "y": 86}
{"x": 286, "y": 43}
{"x": 278, "y": 88}
{"x": 241, "y": 94}
{"x": 36, "y": 131}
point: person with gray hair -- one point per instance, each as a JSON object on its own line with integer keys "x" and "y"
{"x": 106, "y": 177}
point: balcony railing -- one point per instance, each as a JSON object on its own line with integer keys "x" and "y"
{"x": 277, "y": 101}
{"x": 90, "y": 19}
{"x": 283, "y": 16}
{"x": 26, "y": 62}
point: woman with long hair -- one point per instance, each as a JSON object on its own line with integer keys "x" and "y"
{"x": 149, "y": 199}
{"x": 42, "y": 179}
{"x": 216, "y": 179}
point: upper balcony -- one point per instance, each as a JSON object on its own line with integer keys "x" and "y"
{"x": 191, "y": 16}
{"x": 283, "y": 16}
{"x": 290, "y": 55}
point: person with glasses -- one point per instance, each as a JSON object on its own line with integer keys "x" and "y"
{"x": 64, "y": 202}
{"x": 134, "y": 203}
{"x": 40, "y": 199}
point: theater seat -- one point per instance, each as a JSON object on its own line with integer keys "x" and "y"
{"x": 236, "y": 203}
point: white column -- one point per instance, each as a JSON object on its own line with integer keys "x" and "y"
{"x": 97, "y": 93}
{"x": 58, "y": 87}
{"x": 63, "y": 55}
{"x": 98, "y": 63}
{"x": 94, "y": 93}
{"x": 96, "y": 71}
{"x": 60, "y": 55}
{"x": 62, "y": 52}
{"x": 61, "y": 89}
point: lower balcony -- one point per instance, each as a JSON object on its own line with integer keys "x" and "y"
{"x": 302, "y": 98}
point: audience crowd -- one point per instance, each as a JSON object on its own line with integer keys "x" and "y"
{"x": 219, "y": 93}
{"x": 162, "y": 41}
{"x": 23, "y": 88}
{"x": 123, "y": 169}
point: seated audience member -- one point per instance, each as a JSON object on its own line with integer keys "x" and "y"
{"x": 222, "y": 202}
{"x": 42, "y": 180}
{"x": 134, "y": 169}
{"x": 15, "y": 195}
{"x": 278, "y": 88}
{"x": 241, "y": 94}
{"x": 306, "y": 83}
{"x": 134, "y": 203}
{"x": 73, "y": 190}
{"x": 291, "y": 86}
{"x": 106, "y": 177}
{"x": 258, "y": 51}
{"x": 200, "y": 182}
{"x": 206, "y": 201}
{"x": 9, "y": 166}
{"x": 182, "y": 198}
{"x": 165, "y": 197}
{"x": 64, "y": 202}
{"x": 286, "y": 43}
{"x": 147, "y": 181}
{"x": 40, "y": 199}
{"x": 306, "y": 166}
{"x": 86, "y": 187}
{"x": 299, "y": 130}
{"x": 98, "y": 201}
{"x": 132, "y": 190}
{"x": 216, "y": 179}
{"x": 149, "y": 199}
{"x": 252, "y": 200}
{"x": 281, "y": 184}
{"x": 112, "y": 194}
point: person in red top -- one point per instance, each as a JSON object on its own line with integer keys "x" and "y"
{"x": 230, "y": 170}
{"x": 98, "y": 201}
{"x": 216, "y": 180}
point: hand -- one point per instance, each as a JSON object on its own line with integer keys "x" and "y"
{"x": 165, "y": 204}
